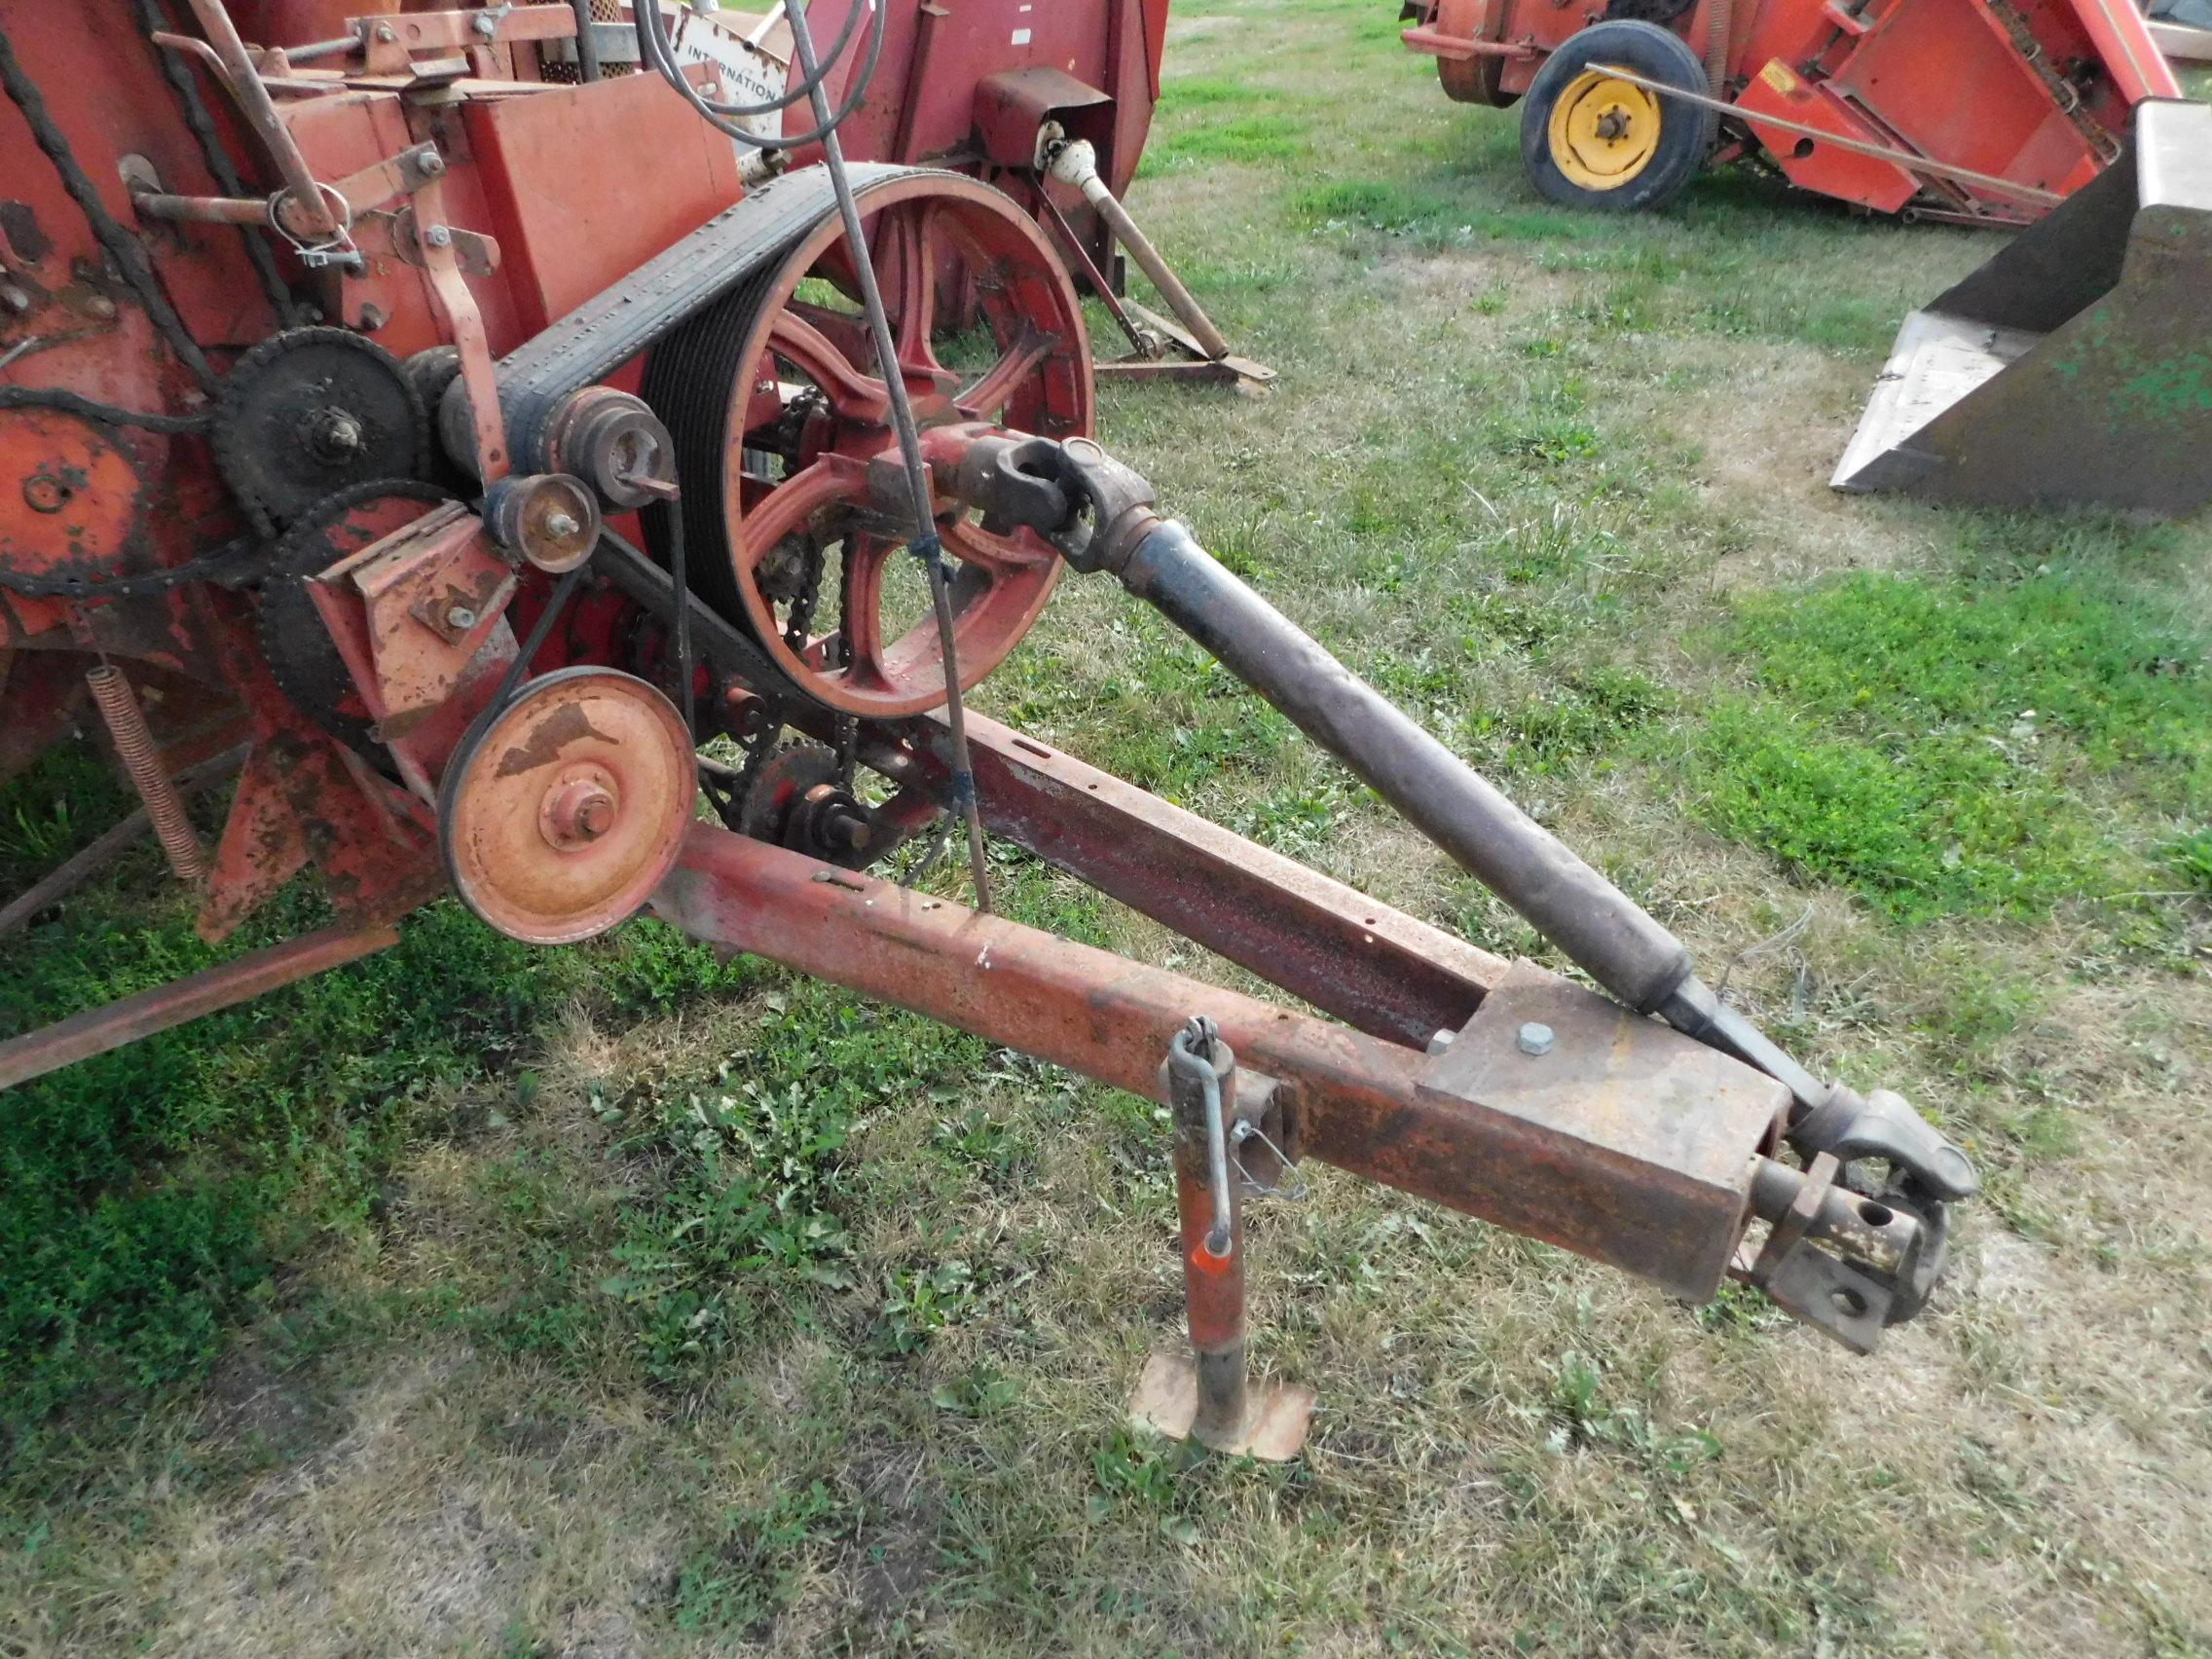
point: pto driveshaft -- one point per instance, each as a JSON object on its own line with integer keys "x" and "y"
{"x": 1107, "y": 522}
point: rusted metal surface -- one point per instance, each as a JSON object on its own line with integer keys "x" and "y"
{"x": 1762, "y": 110}
{"x": 300, "y": 800}
{"x": 950, "y": 70}
{"x": 389, "y": 39}
{"x": 1646, "y": 1137}
{"x": 560, "y": 816}
{"x": 1373, "y": 967}
{"x": 211, "y": 990}
{"x": 1373, "y": 1108}
{"x": 463, "y": 326}
{"x": 1212, "y": 1247}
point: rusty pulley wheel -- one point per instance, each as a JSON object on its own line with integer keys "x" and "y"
{"x": 778, "y": 407}
{"x": 563, "y": 808}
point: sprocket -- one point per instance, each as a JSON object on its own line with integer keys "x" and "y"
{"x": 311, "y": 412}
{"x": 797, "y": 799}
{"x": 295, "y": 643}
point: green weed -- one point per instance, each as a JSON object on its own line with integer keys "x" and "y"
{"x": 752, "y": 1571}
{"x": 1934, "y": 749}
{"x": 145, "y": 1194}
{"x": 1248, "y": 138}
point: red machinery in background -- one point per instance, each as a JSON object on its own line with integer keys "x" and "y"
{"x": 1051, "y": 103}
{"x": 450, "y": 449}
{"x": 1981, "y": 111}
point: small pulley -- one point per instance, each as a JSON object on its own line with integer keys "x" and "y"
{"x": 564, "y": 807}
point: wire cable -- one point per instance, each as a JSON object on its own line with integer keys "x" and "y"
{"x": 90, "y": 409}
{"x": 924, "y": 544}
{"x": 792, "y": 95}
{"x": 654, "y": 46}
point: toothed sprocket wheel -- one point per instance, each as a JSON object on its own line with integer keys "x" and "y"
{"x": 296, "y": 645}
{"x": 798, "y": 799}
{"x": 311, "y": 412}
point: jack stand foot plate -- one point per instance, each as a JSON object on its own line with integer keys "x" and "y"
{"x": 1276, "y": 1414}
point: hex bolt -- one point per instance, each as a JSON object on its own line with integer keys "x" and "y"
{"x": 336, "y": 435}
{"x": 431, "y": 163}
{"x": 386, "y": 34}
{"x": 579, "y": 811}
{"x": 1535, "y": 1038}
{"x": 461, "y": 617}
{"x": 561, "y": 526}
{"x": 487, "y": 24}
{"x": 438, "y": 235}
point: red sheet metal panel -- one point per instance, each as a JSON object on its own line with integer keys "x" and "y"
{"x": 1944, "y": 77}
{"x": 572, "y": 214}
{"x": 2123, "y": 38}
{"x": 1777, "y": 89}
{"x": 920, "y": 107}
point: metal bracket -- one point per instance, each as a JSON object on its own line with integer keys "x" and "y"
{"x": 391, "y": 40}
{"x": 477, "y": 254}
{"x": 1823, "y": 1290}
{"x": 402, "y": 174}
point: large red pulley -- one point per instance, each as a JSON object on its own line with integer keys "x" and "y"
{"x": 779, "y": 409}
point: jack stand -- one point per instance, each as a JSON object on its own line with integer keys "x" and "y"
{"x": 1205, "y": 354}
{"x": 1207, "y": 1395}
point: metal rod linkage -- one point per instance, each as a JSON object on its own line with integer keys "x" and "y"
{"x": 925, "y": 542}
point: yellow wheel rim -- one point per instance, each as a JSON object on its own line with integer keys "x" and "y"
{"x": 1604, "y": 131}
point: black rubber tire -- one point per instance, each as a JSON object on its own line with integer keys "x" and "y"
{"x": 1685, "y": 131}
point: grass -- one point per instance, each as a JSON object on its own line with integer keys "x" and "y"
{"x": 480, "y": 1299}
{"x": 1997, "y": 749}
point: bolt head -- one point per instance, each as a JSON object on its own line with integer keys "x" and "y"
{"x": 461, "y": 616}
{"x": 561, "y": 526}
{"x": 577, "y": 812}
{"x": 438, "y": 235}
{"x": 337, "y": 435}
{"x": 386, "y": 34}
{"x": 1536, "y": 1038}
{"x": 486, "y": 24}
{"x": 14, "y": 298}
{"x": 432, "y": 164}
{"x": 43, "y": 493}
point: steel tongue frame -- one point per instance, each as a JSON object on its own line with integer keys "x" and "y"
{"x": 1494, "y": 1087}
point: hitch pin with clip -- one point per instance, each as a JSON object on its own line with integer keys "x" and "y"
{"x": 1191, "y": 1052}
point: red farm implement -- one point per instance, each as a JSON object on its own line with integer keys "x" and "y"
{"x": 1981, "y": 111}
{"x": 451, "y": 447}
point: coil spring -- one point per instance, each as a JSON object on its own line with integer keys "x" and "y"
{"x": 142, "y": 762}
